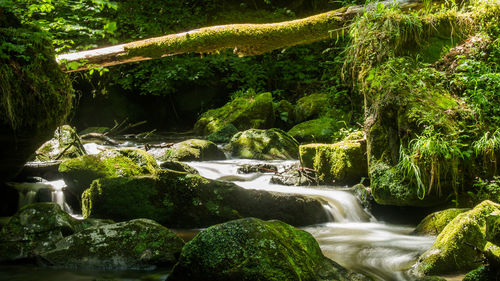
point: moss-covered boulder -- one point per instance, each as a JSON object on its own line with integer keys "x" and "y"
{"x": 340, "y": 163}
{"x": 316, "y": 130}
{"x": 177, "y": 199}
{"x": 243, "y": 112}
{"x": 455, "y": 247}
{"x": 264, "y": 144}
{"x": 34, "y": 229}
{"x": 434, "y": 223}
{"x": 136, "y": 244}
{"x": 191, "y": 150}
{"x": 312, "y": 106}
{"x": 178, "y": 166}
{"x": 35, "y": 95}
{"x": 252, "y": 249}
{"x": 78, "y": 173}
{"x": 493, "y": 228}
{"x": 223, "y": 135}
{"x": 65, "y": 144}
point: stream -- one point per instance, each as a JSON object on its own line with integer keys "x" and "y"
{"x": 352, "y": 237}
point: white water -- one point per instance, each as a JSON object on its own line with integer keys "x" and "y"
{"x": 353, "y": 238}
{"x": 28, "y": 193}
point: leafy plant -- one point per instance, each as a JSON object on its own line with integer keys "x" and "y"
{"x": 486, "y": 190}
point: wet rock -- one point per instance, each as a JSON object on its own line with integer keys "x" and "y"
{"x": 264, "y": 144}
{"x": 223, "y": 135}
{"x": 316, "y": 130}
{"x": 252, "y": 249}
{"x": 34, "y": 229}
{"x": 311, "y": 106}
{"x": 455, "y": 247}
{"x": 65, "y": 144}
{"x": 243, "y": 112}
{"x": 79, "y": 172}
{"x": 178, "y": 166}
{"x": 340, "y": 163}
{"x": 191, "y": 150}
{"x": 295, "y": 175}
{"x": 48, "y": 170}
{"x": 434, "y": 223}
{"x": 257, "y": 168}
{"x": 135, "y": 244}
{"x": 179, "y": 199}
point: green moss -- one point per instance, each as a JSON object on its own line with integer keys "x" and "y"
{"x": 193, "y": 150}
{"x": 78, "y": 173}
{"x": 180, "y": 199}
{"x": 453, "y": 249}
{"x": 33, "y": 229}
{"x": 35, "y": 93}
{"x": 133, "y": 244}
{"x": 312, "y": 106}
{"x": 223, "y": 135}
{"x": 245, "y": 39}
{"x": 340, "y": 163}
{"x": 434, "y": 223}
{"x": 316, "y": 130}
{"x": 243, "y": 112}
{"x": 264, "y": 144}
{"x": 493, "y": 227}
{"x": 251, "y": 249}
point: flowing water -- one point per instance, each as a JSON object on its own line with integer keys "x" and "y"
{"x": 353, "y": 238}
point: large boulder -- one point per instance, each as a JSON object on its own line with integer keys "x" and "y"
{"x": 316, "y": 130}
{"x": 34, "y": 229}
{"x": 434, "y": 223}
{"x": 264, "y": 144}
{"x": 252, "y": 249}
{"x": 65, "y": 144}
{"x": 340, "y": 163}
{"x": 455, "y": 248}
{"x": 35, "y": 96}
{"x": 137, "y": 244}
{"x": 223, "y": 135}
{"x": 190, "y": 150}
{"x": 78, "y": 173}
{"x": 243, "y": 112}
{"x": 312, "y": 106}
{"x": 177, "y": 199}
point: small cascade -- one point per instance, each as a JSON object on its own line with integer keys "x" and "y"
{"x": 42, "y": 191}
{"x": 352, "y": 238}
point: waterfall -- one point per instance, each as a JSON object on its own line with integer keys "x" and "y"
{"x": 353, "y": 237}
{"x": 42, "y": 191}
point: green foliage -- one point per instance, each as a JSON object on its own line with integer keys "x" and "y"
{"x": 485, "y": 189}
{"x": 429, "y": 159}
{"x": 72, "y": 23}
{"x": 26, "y": 65}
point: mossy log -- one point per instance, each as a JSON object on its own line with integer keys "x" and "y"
{"x": 244, "y": 39}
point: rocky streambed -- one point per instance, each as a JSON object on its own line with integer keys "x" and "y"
{"x": 129, "y": 195}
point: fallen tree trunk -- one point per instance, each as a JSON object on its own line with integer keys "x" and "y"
{"x": 244, "y": 39}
